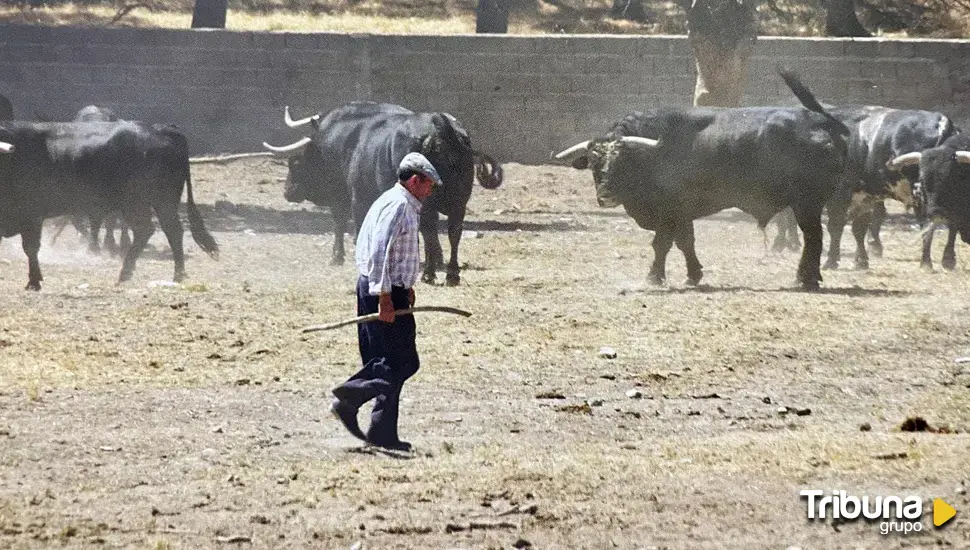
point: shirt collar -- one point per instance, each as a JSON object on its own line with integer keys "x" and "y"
{"x": 412, "y": 200}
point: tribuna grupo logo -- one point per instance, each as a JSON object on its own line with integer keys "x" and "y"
{"x": 896, "y": 514}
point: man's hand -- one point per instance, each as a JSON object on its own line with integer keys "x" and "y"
{"x": 410, "y": 297}
{"x": 385, "y": 308}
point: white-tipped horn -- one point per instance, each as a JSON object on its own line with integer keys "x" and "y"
{"x": 639, "y": 141}
{"x": 572, "y": 150}
{"x": 6, "y": 147}
{"x": 963, "y": 157}
{"x": 296, "y": 123}
{"x": 908, "y": 159}
{"x": 287, "y": 149}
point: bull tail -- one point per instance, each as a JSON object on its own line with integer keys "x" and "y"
{"x": 489, "y": 172}
{"x": 807, "y": 98}
{"x": 201, "y": 236}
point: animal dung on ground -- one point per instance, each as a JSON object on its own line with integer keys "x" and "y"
{"x": 579, "y": 408}
{"x": 919, "y": 424}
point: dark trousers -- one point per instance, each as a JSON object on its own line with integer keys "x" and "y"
{"x": 389, "y": 355}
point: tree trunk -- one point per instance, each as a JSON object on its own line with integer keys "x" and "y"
{"x": 631, "y": 10}
{"x": 721, "y": 33}
{"x": 209, "y": 14}
{"x": 492, "y": 16}
{"x": 841, "y": 19}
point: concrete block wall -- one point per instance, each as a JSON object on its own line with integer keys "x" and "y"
{"x": 521, "y": 98}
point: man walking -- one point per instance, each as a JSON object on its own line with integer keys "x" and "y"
{"x": 387, "y": 261}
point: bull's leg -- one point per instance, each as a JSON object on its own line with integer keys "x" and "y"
{"x": 810, "y": 222}
{"x": 94, "y": 243}
{"x": 341, "y": 215}
{"x": 168, "y": 218}
{"x": 685, "y": 242}
{"x": 794, "y": 243}
{"x": 662, "y": 241}
{"x": 860, "y": 224}
{"x": 110, "y": 222}
{"x": 30, "y": 237}
{"x": 140, "y": 221}
{"x": 949, "y": 253}
{"x": 926, "y": 260}
{"x": 125, "y": 242}
{"x": 455, "y": 224}
{"x": 875, "y": 225}
{"x": 433, "y": 257}
{"x": 781, "y": 239}
{"x": 838, "y": 212}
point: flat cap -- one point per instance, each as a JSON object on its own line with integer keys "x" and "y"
{"x": 416, "y": 162}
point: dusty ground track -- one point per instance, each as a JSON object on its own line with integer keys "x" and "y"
{"x": 149, "y": 417}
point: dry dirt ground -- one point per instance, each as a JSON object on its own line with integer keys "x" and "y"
{"x": 142, "y": 416}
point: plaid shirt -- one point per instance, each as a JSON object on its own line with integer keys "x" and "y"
{"x": 387, "y": 245}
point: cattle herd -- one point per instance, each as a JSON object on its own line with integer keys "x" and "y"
{"x": 666, "y": 167}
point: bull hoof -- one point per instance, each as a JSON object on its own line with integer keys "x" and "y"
{"x": 335, "y": 261}
{"x": 875, "y": 248}
{"x": 690, "y": 281}
{"x": 656, "y": 280}
{"x": 794, "y": 246}
{"x": 429, "y": 278}
{"x": 778, "y": 245}
{"x": 811, "y": 286}
{"x": 452, "y": 279}
{"x": 926, "y": 267}
{"x": 124, "y": 277}
{"x": 179, "y": 276}
{"x": 949, "y": 264}
{"x": 831, "y": 264}
{"x": 861, "y": 264}
{"x": 33, "y": 285}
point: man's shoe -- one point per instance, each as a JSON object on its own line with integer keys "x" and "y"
{"x": 347, "y": 416}
{"x": 391, "y": 445}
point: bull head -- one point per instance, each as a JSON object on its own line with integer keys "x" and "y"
{"x": 600, "y": 157}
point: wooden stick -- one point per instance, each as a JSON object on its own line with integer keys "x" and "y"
{"x": 226, "y": 158}
{"x": 374, "y": 317}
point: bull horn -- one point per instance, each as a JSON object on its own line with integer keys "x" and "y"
{"x": 640, "y": 141}
{"x": 572, "y": 150}
{"x": 287, "y": 149}
{"x": 297, "y": 123}
{"x": 908, "y": 159}
{"x": 6, "y": 147}
{"x": 963, "y": 157}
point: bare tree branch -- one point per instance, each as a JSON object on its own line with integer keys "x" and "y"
{"x": 125, "y": 10}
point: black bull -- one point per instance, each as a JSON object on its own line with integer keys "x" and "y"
{"x": 942, "y": 191}
{"x": 670, "y": 167}
{"x": 879, "y": 134}
{"x": 54, "y": 169}
{"x": 352, "y": 157}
